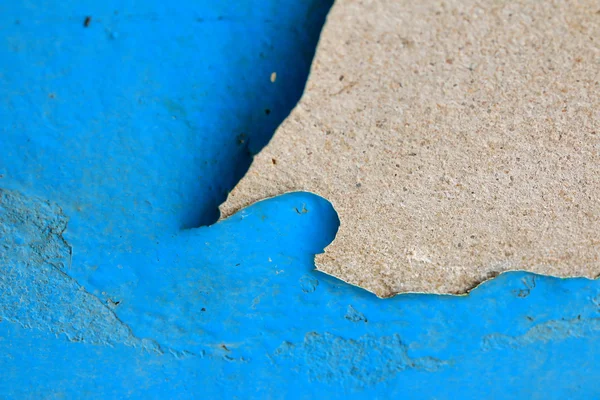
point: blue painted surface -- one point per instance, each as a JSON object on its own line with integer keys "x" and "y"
{"x": 118, "y": 137}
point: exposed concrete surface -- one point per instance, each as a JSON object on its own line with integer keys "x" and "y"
{"x": 455, "y": 139}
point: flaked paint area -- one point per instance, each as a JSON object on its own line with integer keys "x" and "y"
{"x": 355, "y": 363}
{"x": 269, "y": 263}
{"x": 549, "y": 331}
{"x": 356, "y": 344}
{"x": 36, "y": 290}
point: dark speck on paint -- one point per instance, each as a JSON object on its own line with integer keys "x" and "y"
{"x": 113, "y": 302}
{"x": 303, "y": 211}
{"x": 87, "y": 21}
{"x": 241, "y": 139}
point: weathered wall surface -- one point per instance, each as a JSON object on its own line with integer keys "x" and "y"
{"x": 455, "y": 139}
{"x": 115, "y": 136}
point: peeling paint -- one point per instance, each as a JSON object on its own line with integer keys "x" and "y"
{"x": 550, "y": 331}
{"x": 222, "y": 299}
{"x": 354, "y": 316}
{"x": 358, "y": 363}
{"x": 36, "y": 290}
{"x": 308, "y": 284}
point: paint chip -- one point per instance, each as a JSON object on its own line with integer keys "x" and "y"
{"x": 454, "y": 127}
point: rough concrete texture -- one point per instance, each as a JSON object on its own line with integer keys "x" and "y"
{"x": 455, "y": 139}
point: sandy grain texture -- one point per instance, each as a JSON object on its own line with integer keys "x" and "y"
{"x": 456, "y": 139}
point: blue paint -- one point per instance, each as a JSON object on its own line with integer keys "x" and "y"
{"x": 116, "y": 136}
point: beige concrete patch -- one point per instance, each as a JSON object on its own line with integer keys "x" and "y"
{"x": 456, "y": 139}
